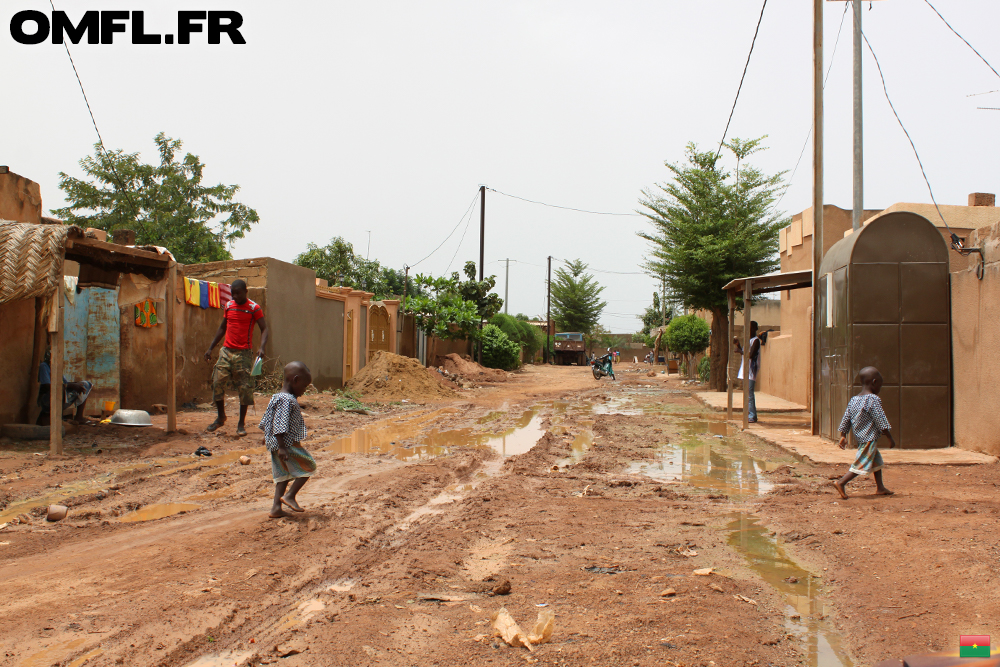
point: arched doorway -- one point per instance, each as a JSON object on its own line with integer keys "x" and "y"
{"x": 378, "y": 330}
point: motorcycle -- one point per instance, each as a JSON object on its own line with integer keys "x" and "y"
{"x": 601, "y": 366}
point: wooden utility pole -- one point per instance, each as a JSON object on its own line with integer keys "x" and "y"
{"x": 406, "y": 281}
{"x": 506, "y": 283}
{"x": 548, "y": 309}
{"x": 817, "y": 204}
{"x": 56, "y": 369}
{"x": 858, "y": 122}
{"x": 482, "y": 253}
{"x": 170, "y": 312}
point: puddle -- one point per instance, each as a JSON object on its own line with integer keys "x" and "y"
{"x": 302, "y": 613}
{"x": 407, "y": 441}
{"x": 79, "y": 662}
{"x": 227, "y": 659}
{"x": 53, "y": 654}
{"x": 805, "y": 609}
{"x": 152, "y": 512}
{"x": 341, "y": 586}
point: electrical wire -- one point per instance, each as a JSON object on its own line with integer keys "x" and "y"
{"x": 805, "y": 144}
{"x": 885, "y": 89}
{"x": 745, "y": 67}
{"x": 464, "y": 232}
{"x": 100, "y": 139}
{"x": 620, "y": 273}
{"x": 566, "y": 208}
{"x": 461, "y": 220}
{"x": 962, "y": 38}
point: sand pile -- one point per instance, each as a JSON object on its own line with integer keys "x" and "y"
{"x": 390, "y": 377}
{"x": 470, "y": 370}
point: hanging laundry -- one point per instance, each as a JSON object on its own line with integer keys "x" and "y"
{"x": 225, "y": 294}
{"x": 214, "y": 296}
{"x": 192, "y": 291}
{"x": 145, "y": 314}
{"x": 203, "y": 299}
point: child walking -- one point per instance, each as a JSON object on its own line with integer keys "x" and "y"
{"x": 865, "y": 415}
{"x": 284, "y": 430}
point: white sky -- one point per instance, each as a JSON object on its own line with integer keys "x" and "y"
{"x": 342, "y": 117}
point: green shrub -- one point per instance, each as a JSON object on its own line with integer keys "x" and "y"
{"x": 704, "y": 369}
{"x": 688, "y": 334}
{"x": 499, "y": 351}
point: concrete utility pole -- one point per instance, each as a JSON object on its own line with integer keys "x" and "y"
{"x": 858, "y": 145}
{"x": 548, "y": 309}
{"x": 817, "y": 205}
{"x": 506, "y": 282}
{"x": 482, "y": 248}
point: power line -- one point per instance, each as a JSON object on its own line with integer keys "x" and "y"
{"x": 460, "y": 221}
{"x": 566, "y": 208}
{"x": 961, "y": 38}
{"x": 100, "y": 139}
{"x": 460, "y": 241}
{"x": 621, "y": 273}
{"x": 805, "y": 144}
{"x": 745, "y": 67}
{"x": 910, "y": 139}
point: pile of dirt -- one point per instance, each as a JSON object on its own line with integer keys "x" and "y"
{"x": 390, "y": 377}
{"x": 469, "y": 370}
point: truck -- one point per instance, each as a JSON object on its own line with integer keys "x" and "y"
{"x": 569, "y": 349}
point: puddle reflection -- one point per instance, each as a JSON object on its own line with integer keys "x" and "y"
{"x": 766, "y": 557}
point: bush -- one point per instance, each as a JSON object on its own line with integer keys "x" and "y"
{"x": 499, "y": 351}
{"x": 704, "y": 369}
{"x": 520, "y": 332}
{"x": 688, "y": 334}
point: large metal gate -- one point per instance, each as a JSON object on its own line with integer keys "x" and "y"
{"x": 378, "y": 330}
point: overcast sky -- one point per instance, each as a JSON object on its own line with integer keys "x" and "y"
{"x": 341, "y": 117}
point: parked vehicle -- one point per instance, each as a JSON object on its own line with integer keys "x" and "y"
{"x": 601, "y": 366}
{"x": 569, "y": 349}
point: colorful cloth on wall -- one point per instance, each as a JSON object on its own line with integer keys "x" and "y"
{"x": 225, "y": 294}
{"x": 145, "y": 314}
{"x": 192, "y": 291}
{"x": 214, "y": 297}
{"x": 203, "y": 298}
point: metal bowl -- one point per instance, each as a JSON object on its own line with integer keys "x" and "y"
{"x": 131, "y": 418}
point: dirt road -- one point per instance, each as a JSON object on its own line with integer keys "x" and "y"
{"x": 596, "y": 501}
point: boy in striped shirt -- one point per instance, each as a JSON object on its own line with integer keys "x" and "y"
{"x": 865, "y": 415}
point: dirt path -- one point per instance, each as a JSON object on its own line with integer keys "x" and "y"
{"x": 591, "y": 499}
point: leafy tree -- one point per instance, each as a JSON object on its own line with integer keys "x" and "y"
{"x": 452, "y": 307}
{"x": 166, "y": 204}
{"x": 709, "y": 227}
{"x": 687, "y": 335}
{"x": 519, "y": 331}
{"x": 338, "y": 263}
{"x": 576, "y": 298}
{"x": 652, "y": 317}
{"x": 499, "y": 351}
{"x": 599, "y": 338}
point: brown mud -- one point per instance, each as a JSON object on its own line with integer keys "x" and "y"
{"x": 594, "y": 500}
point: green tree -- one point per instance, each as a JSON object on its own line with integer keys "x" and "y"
{"x": 337, "y": 263}
{"x": 479, "y": 292}
{"x": 451, "y": 307}
{"x": 687, "y": 335}
{"x": 576, "y": 298}
{"x": 499, "y": 351}
{"x": 710, "y": 226}
{"x": 519, "y": 331}
{"x": 166, "y": 204}
{"x": 652, "y": 317}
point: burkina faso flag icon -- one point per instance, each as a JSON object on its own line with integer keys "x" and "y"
{"x": 974, "y": 646}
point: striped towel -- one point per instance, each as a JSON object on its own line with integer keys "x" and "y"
{"x": 213, "y": 295}
{"x": 225, "y": 294}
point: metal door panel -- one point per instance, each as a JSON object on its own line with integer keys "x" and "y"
{"x": 924, "y": 293}
{"x": 925, "y": 354}
{"x": 876, "y": 345}
{"x": 875, "y": 292}
{"x": 925, "y": 417}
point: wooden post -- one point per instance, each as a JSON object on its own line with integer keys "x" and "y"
{"x": 729, "y": 367}
{"x": 817, "y": 205}
{"x": 170, "y": 313}
{"x": 31, "y": 407}
{"x": 747, "y": 292}
{"x": 56, "y": 367}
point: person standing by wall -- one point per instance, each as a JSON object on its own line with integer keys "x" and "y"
{"x": 755, "y": 342}
{"x": 235, "y": 363}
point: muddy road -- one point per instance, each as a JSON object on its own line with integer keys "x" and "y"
{"x": 596, "y": 501}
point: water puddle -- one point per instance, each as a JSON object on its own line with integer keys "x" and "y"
{"x": 152, "y": 512}
{"x": 407, "y": 441}
{"x": 53, "y": 654}
{"x": 227, "y": 659}
{"x": 806, "y": 611}
{"x": 341, "y": 586}
{"x": 79, "y": 662}
{"x": 302, "y": 613}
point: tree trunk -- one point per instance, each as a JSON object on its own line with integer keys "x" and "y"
{"x": 719, "y": 361}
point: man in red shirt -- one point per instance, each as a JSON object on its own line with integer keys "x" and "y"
{"x": 235, "y": 362}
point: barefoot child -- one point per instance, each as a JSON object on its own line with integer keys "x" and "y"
{"x": 284, "y": 431}
{"x": 865, "y": 415}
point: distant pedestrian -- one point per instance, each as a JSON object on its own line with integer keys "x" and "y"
{"x": 864, "y": 414}
{"x": 235, "y": 363}
{"x": 755, "y": 343}
{"x": 284, "y": 430}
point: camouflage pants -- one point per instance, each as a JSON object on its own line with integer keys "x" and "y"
{"x": 235, "y": 366}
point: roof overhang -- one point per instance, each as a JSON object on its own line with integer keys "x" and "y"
{"x": 772, "y": 282}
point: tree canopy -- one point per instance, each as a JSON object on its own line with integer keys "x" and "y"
{"x": 449, "y": 307}
{"x": 687, "y": 334}
{"x": 337, "y": 263}
{"x": 576, "y": 298}
{"x": 166, "y": 204}
{"x": 709, "y": 226}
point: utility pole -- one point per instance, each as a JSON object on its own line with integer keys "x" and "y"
{"x": 548, "y": 309}
{"x": 406, "y": 280}
{"x": 663, "y": 298}
{"x": 482, "y": 247}
{"x": 506, "y": 282}
{"x": 858, "y": 122}
{"x": 817, "y": 203}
